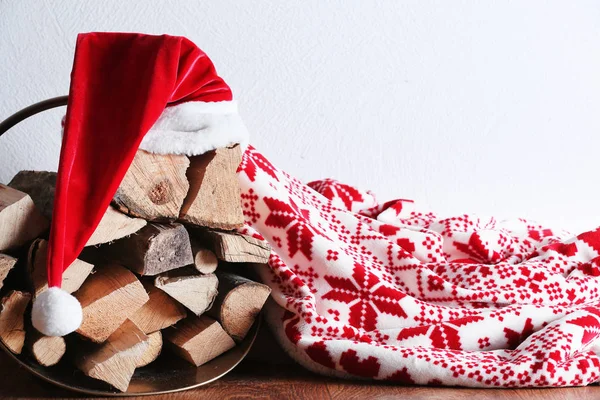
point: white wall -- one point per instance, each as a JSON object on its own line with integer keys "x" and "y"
{"x": 482, "y": 106}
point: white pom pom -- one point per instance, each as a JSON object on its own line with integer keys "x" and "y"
{"x": 56, "y": 313}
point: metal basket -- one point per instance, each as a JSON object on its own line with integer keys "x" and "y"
{"x": 165, "y": 375}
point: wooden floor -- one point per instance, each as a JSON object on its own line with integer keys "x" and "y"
{"x": 258, "y": 377}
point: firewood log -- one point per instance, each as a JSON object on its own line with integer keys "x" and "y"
{"x": 156, "y": 248}
{"x": 73, "y": 276}
{"x": 214, "y": 198}
{"x": 233, "y": 247}
{"x": 154, "y": 187}
{"x": 20, "y": 220}
{"x": 205, "y": 260}
{"x": 41, "y": 185}
{"x": 198, "y": 339}
{"x": 6, "y": 265}
{"x": 238, "y": 302}
{"x": 115, "y": 360}
{"x": 47, "y": 350}
{"x": 12, "y": 331}
{"x": 196, "y": 292}
{"x": 108, "y": 298}
{"x": 159, "y": 312}
{"x": 114, "y": 225}
{"x": 155, "y": 343}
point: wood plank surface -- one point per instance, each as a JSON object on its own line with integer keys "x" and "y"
{"x": 255, "y": 379}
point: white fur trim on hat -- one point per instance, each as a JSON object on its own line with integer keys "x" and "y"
{"x": 56, "y": 313}
{"x": 196, "y": 127}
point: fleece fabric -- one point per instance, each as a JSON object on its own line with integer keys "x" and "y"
{"x": 397, "y": 293}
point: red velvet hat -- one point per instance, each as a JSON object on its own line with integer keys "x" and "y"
{"x": 128, "y": 92}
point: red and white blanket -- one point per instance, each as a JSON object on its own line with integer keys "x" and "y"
{"x": 392, "y": 292}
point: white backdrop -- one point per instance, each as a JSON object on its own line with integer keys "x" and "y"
{"x": 481, "y": 106}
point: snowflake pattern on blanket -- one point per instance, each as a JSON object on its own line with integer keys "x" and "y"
{"x": 392, "y": 292}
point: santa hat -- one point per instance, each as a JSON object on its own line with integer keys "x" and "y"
{"x": 128, "y": 92}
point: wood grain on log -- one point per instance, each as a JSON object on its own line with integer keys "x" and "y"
{"x": 115, "y": 360}
{"x": 196, "y": 292}
{"x": 154, "y": 187}
{"x": 41, "y": 186}
{"x": 73, "y": 276}
{"x": 20, "y": 220}
{"x": 214, "y": 198}
{"x": 47, "y": 350}
{"x": 114, "y": 225}
{"x": 108, "y": 298}
{"x": 156, "y": 248}
{"x": 7, "y": 263}
{"x": 234, "y": 247}
{"x": 238, "y": 303}
{"x": 205, "y": 260}
{"x": 12, "y": 331}
{"x": 159, "y": 312}
{"x": 155, "y": 343}
{"x": 198, "y": 339}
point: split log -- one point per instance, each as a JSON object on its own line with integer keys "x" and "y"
{"x": 20, "y": 220}
{"x": 234, "y": 247}
{"x": 205, "y": 260}
{"x": 108, "y": 298}
{"x": 73, "y": 276}
{"x": 155, "y": 343}
{"x": 214, "y": 197}
{"x": 115, "y": 360}
{"x": 238, "y": 303}
{"x": 198, "y": 339}
{"x": 154, "y": 187}
{"x": 156, "y": 248}
{"x": 159, "y": 312}
{"x": 12, "y": 331}
{"x": 41, "y": 186}
{"x": 6, "y": 265}
{"x": 194, "y": 291}
{"x": 114, "y": 225}
{"x": 47, "y": 350}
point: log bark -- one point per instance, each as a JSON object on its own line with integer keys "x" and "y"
{"x": 214, "y": 197}
{"x": 7, "y": 263}
{"x": 155, "y": 343}
{"x": 234, "y": 247}
{"x": 238, "y": 303}
{"x": 156, "y": 248}
{"x": 159, "y": 312}
{"x": 73, "y": 276}
{"x": 196, "y": 292}
{"x": 12, "y": 331}
{"x": 205, "y": 260}
{"x": 108, "y": 298}
{"x": 114, "y": 361}
{"x": 41, "y": 185}
{"x": 47, "y": 350}
{"x": 20, "y": 220}
{"x": 198, "y": 339}
{"x": 154, "y": 187}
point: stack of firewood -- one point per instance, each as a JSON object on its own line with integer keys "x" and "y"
{"x": 150, "y": 274}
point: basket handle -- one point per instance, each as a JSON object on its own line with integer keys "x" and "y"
{"x": 31, "y": 111}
